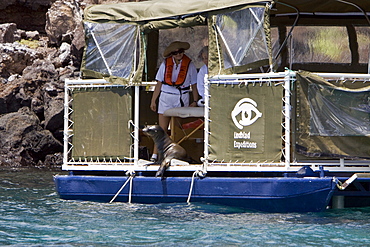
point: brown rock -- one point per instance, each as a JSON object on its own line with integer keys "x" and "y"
{"x": 51, "y": 161}
{"x": 14, "y": 58}
{"x": 28, "y": 15}
{"x": 8, "y": 99}
{"x": 53, "y": 107}
{"x": 23, "y": 141}
{"x": 7, "y": 32}
{"x": 62, "y": 19}
{"x": 33, "y": 35}
{"x": 32, "y": 76}
{"x": 42, "y": 70}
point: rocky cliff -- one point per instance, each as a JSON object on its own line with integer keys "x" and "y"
{"x": 41, "y": 44}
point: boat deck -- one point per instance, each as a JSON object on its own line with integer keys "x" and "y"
{"x": 145, "y": 165}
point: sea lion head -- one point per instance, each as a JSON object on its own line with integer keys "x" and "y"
{"x": 153, "y": 131}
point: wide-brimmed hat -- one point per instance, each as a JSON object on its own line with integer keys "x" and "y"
{"x": 176, "y": 45}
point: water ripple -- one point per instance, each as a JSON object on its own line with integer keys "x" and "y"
{"x": 31, "y": 214}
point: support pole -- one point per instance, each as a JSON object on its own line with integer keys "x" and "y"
{"x": 66, "y": 123}
{"x": 287, "y": 113}
{"x": 206, "y": 122}
{"x": 136, "y": 125}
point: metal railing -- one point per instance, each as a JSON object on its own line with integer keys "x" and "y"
{"x": 284, "y": 79}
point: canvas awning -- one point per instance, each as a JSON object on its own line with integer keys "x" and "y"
{"x": 117, "y": 41}
{"x": 238, "y": 39}
{"x": 158, "y": 9}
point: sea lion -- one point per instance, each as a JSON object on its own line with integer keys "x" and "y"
{"x": 167, "y": 148}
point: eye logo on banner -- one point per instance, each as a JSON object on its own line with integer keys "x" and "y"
{"x": 246, "y": 107}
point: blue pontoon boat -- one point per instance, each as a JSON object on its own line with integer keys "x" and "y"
{"x": 285, "y": 123}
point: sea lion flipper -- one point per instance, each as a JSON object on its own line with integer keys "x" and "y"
{"x": 159, "y": 173}
{"x": 163, "y": 167}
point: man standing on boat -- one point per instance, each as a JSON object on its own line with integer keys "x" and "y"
{"x": 175, "y": 76}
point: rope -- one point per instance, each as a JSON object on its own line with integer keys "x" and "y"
{"x": 191, "y": 186}
{"x": 201, "y": 174}
{"x": 132, "y": 174}
{"x": 130, "y": 192}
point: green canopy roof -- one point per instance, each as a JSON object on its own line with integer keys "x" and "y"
{"x": 321, "y": 6}
{"x": 157, "y": 9}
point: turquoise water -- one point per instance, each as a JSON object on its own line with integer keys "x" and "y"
{"x": 31, "y": 214}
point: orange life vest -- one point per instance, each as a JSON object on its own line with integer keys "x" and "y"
{"x": 182, "y": 73}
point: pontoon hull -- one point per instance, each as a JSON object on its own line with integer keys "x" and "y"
{"x": 261, "y": 194}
